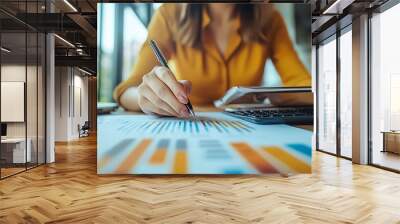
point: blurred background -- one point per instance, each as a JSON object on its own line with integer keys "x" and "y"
{"x": 122, "y": 29}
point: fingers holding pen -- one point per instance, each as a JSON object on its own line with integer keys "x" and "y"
{"x": 166, "y": 76}
{"x": 155, "y": 102}
{"x": 161, "y": 94}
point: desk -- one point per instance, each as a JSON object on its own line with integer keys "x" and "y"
{"x": 214, "y": 143}
{"x": 13, "y": 150}
{"x": 391, "y": 141}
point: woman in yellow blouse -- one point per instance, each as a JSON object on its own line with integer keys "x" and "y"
{"x": 210, "y": 48}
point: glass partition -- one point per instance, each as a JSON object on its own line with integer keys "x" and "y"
{"x": 385, "y": 89}
{"x": 22, "y": 76}
{"x": 41, "y": 97}
{"x": 32, "y": 98}
{"x": 327, "y": 96}
{"x": 14, "y": 151}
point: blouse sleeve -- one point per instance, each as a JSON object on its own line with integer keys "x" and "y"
{"x": 159, "y": 30}
{"x": 286, "y": 61}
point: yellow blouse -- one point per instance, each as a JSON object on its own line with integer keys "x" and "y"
{"x": 211, "y": 73}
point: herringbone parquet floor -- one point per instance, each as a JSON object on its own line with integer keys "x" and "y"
{"x": 70, "y": 191}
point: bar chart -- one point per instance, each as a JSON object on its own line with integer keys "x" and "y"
{"x": 191, "y": 126}
{"x": 234, "y": 158}
{"x": 212, "y": 144}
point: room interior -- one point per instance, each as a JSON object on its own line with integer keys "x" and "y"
{"x": 49, "y": 96}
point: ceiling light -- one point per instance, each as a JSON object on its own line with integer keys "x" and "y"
{"x": 5, "y": 50}
{"x": 70, "y": 5}
{"x": 84, "y": 71}
{"x": 329, "y": 9}
{"x": 65, "y": 41}
{"x": 337, "y": 7}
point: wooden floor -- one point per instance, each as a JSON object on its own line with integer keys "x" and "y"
{"x": 387, "y": 159}
{"x": 70, "y": 191}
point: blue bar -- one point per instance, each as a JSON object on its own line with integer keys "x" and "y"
{"x": 168, "y": 124}
{"x": 222, "y": 126}
{"x": 304, "y": 149}
{"x": 163, "y": 124}
{"x": 233, "y": 171}
{"x": 233, "y": 126}
{"x": 119, "y": 147}
{"x": 197, "y": 126}
{"x": 205, "y": 125}
{"x": 181, "y": 144}
{"x": 216, "y": 127}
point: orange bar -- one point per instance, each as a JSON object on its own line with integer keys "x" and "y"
{"x": 254, "y": 158}
{"x": 130, "y": 161}
{"x": 180, "y": 163}
{"x": 159, "y": 156}
{"x": 287, "y": 158}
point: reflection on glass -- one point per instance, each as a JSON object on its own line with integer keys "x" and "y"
{"x": 31, "y": 98}
{"x": 327, "y": 97}
{"x": 385, "y": 86}
{"x": 22, "y": 94}
{"x": 41, "y": 99}
{"x": 346, "y": 94}
{"x": 14, "y": 146}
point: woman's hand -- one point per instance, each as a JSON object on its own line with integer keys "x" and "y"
{"x": 160, "y": 93}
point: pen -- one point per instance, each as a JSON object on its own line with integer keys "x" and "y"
{"x": 160, "y": 57}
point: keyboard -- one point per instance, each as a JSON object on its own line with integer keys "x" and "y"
{"x": 276, "y": 115}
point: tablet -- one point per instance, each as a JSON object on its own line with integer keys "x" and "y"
{"x": 264, "y": 96}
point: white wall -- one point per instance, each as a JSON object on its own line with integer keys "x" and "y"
{"x": 71, "y": 94}
{"x": 12, "y": 73}
{"x": 33, "y": 127}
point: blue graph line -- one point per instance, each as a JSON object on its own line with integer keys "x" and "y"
{"x": 197, "y": 126}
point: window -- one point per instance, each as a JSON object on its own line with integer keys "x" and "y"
{"x": 120, "y": 42}
{"x": 385, "y": 89}
{"x": 346, "y": 93}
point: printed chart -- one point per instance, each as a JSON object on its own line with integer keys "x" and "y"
{"x": 213, "y": 143}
